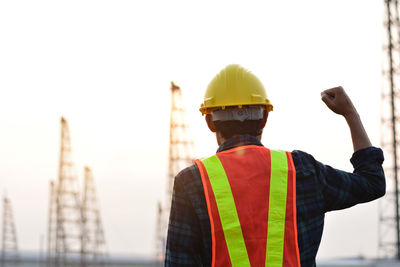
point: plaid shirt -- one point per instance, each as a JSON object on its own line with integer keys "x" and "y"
{"x": 319, "y": 189}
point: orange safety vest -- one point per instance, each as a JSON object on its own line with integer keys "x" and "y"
{"x": 251, "y": 200}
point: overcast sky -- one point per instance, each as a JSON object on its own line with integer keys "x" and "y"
{"x": 107, "y": 66}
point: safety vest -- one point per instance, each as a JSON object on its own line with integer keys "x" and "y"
{"x": 251, "y": 200}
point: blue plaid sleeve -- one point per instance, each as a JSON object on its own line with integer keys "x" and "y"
{"x": 321, "y": 188}
{"x": 340, "y": 189}
{"x": 185, "y": 239}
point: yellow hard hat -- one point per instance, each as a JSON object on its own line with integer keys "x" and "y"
{"x": 234, "y": 86}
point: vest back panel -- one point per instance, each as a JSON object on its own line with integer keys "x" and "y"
{"x": 251, "y": 200}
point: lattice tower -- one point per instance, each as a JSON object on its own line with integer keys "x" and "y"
{"x": 94, "y": 248}
{"x": 65, "y": 226}
{"x": 51, "y": 226}
{"x": 389, "y": 224}
{"x": 9, "y": 251}
{"x": 181, "y": 145}
{"x": 160, "y": 237}
{"x": 181, "y": 155}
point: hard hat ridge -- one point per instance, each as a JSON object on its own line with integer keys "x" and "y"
{"x": 234, "y": 86}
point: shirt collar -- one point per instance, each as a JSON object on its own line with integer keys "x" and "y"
{"x": 240, "y": 140}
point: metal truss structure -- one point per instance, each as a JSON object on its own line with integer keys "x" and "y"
{"x": 93, "y": 249}
{"x": 160, "y": 236}
{"x": 75, "y": 232}
{"x": 9, "y": 244}
{"x": 65, "y": 213}
{"x": 181, "y": 155}
{"x": 181, "y": 145}
{"x": 389, "y": 224}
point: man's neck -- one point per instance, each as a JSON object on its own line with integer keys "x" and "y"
{"x": 221, "y": 140}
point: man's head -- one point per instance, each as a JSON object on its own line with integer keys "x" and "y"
{"x": 235, "y": 103}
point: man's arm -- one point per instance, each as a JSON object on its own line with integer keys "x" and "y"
{"x": 329, "y": 189}
{"x": 337, "y": 100}
{"x": 367, "y": 182}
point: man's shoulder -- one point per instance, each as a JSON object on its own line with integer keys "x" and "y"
{"x": 189, "y": 176}
{"x": 188, "y": 181}
{"x": 301, "y": 154}
{"x": 304, "y": 162}
{"x": 188, "y": 172}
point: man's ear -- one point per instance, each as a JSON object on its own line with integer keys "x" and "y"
{"x": 264, "y": 119}
{"x": 210, "y": 123}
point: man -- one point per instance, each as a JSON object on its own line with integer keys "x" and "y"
{"x": 251, "y": 206}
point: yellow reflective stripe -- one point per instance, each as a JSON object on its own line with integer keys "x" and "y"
{"x": 277, "y": 209}
{"x": 227, "y": 212}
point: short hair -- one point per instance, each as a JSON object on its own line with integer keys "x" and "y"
{"x": 228, "y": 129}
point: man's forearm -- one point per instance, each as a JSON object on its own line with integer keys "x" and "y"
{"x": 358, "y": 134}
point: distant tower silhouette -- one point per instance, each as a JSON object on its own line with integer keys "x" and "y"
{"x": 389, "y": 221}
{"x": 93, "y": 242}
{"x": 52, "y": 226}
{"x": 65, "y": 218}
{"x": 9, "y": 250}
{"x": 181, "y": 146}
{"x": 181, "y": 155}
{"x": 160, "y": 235}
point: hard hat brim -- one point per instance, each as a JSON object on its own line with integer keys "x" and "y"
{"x": 207, "y": 110}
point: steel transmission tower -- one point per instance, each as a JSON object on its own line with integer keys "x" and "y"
{"x": 9, "y": 251}
{"x": 93, "y": 247}
{"x": 181, "y": 155}
{"x": 65, "y": 229}
{"x": 389, "y": 223}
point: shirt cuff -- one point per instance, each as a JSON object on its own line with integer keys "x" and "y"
{"x": 369, "y": 154}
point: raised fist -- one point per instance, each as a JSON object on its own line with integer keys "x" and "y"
{"x": 338, "y": 101}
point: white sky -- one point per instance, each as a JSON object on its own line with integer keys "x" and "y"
{"x": 107, "y": 66}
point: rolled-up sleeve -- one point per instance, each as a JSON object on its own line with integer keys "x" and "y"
{"x": 342, "y": 189}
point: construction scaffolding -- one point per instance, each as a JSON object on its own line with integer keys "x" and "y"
{"x": 181, "y": 155}
{"x": 9, "y": 244}
{"x": 75, "y": 232}
{"x": 389, "y": 223}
